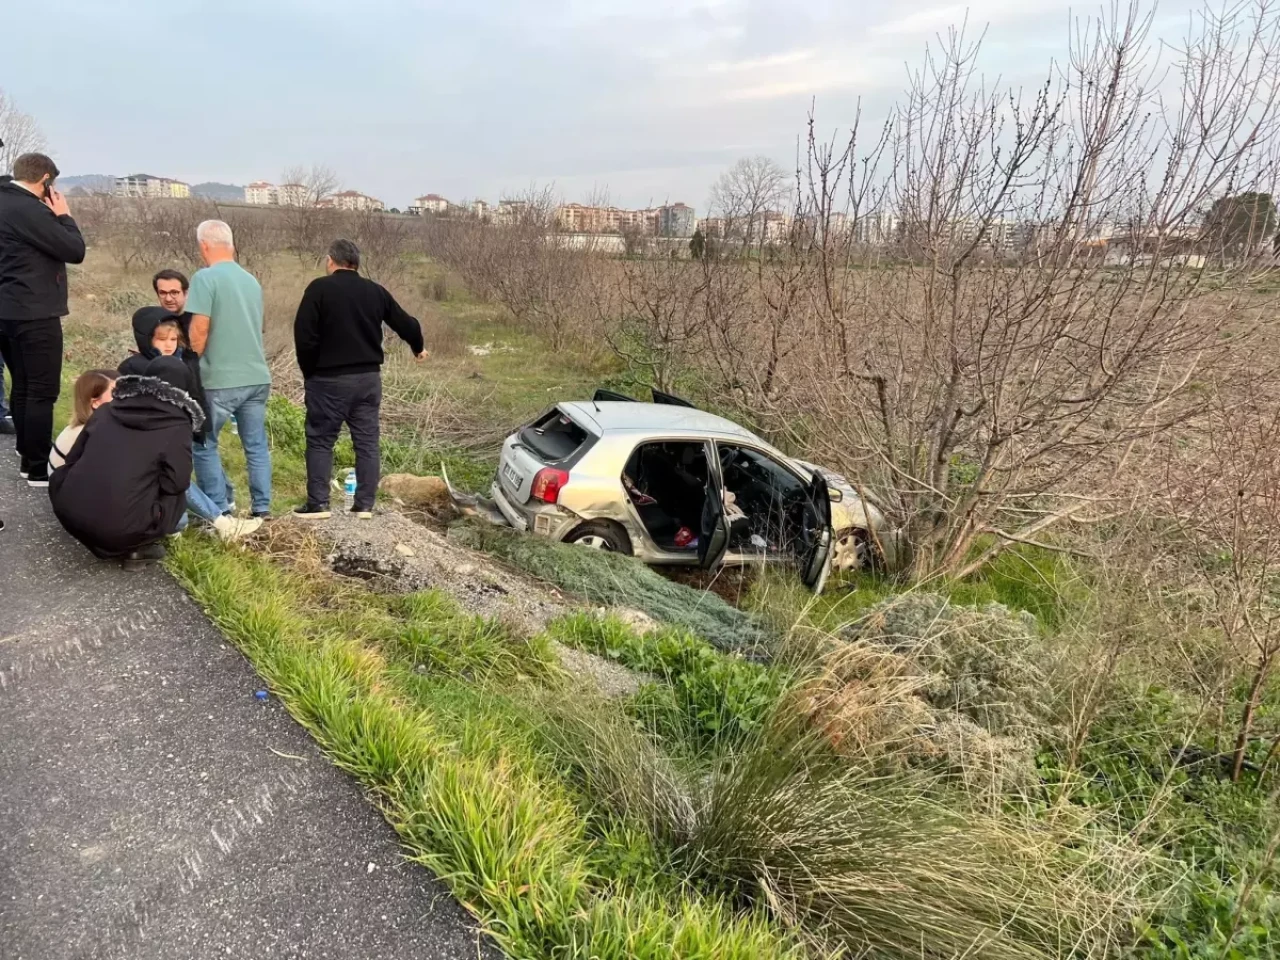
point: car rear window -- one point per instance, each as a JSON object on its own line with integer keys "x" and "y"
{"x": 553, "y": 436}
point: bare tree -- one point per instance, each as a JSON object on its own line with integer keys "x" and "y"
{"x": 540, "y": 276}
{"x": 1224, "y": 492}
{"x": 1043, "y": 314}
{"x": 19, "y": 131}
{"x": 653, "y": 316}
{"x": 744, "y": 194}
{"x": 307, "y": 225}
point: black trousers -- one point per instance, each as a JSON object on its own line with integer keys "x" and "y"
{"x": 33, "y": 352}
{"x": 354, "y": 399}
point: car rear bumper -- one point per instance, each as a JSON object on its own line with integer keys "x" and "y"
{"x": 547, "y": 519}
{"x": 514, "y": 516}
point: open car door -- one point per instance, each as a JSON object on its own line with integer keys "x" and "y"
{"x": 713, "y": 538}
{"x": 607, "y": 395}
{"x": 817, "y": 543}
{"x": 671, "y": 400}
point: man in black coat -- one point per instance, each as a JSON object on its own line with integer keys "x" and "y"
{"x": 338, "y": 339}
{"x": 123, "y": 486}
{"x": 38, "y": 239}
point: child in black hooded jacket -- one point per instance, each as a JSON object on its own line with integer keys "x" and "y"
{"x": 159, "y": 333}
{"x": 123, "y": 486}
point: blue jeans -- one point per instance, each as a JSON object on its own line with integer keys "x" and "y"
{"x": 249, "y": 406}
{"x": 200, "y": 504}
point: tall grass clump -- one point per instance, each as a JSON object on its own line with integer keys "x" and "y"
{"x": 877, "y": 866}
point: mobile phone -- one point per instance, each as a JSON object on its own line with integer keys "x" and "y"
{"x": 48, "y": 189}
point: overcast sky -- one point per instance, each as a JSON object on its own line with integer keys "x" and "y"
{"x": 647, "y": 99}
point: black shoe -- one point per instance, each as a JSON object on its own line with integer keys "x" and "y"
{"x": 40, "y": 479}
{"x": 360, "y": 513}
{"x": 1, "y": 524}
{"x": 135, "y": 560}
{"x": 6, "y": 426}
{"x": 312, "y": 511}
{"x": 262, "y": 514}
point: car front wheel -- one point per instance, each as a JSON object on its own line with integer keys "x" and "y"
{"x": 853, "y": 550}
{"x": 601, "y": 535}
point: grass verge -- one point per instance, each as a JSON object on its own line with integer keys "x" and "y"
{"x": 455, "y": 770}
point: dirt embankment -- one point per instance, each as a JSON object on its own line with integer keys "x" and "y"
{"x": 394, "y": 553}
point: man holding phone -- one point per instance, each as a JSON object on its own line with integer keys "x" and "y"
{"x": 38, "y": 239}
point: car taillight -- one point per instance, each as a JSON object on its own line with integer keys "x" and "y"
{"x": 547, "y": 484}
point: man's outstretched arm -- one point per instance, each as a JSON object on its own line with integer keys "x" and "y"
{"x": 405, "y": 326}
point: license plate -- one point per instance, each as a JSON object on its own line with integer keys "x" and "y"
{"x": 510, "y": 474}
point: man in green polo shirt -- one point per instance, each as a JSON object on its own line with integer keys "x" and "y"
{"x": 225, "y": 303}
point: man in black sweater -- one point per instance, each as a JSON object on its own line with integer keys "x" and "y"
{"x": 38, "y": 239}
{"x": 338, "y": 339}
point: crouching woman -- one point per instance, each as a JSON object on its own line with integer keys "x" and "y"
{"x": 123, "y": 487}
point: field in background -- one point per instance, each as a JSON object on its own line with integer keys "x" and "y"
{"x": 1082, "y": 750}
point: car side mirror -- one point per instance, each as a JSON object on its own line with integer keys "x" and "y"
{"x": 836, "y": 495}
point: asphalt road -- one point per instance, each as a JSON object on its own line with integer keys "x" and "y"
{"x": 150, "y": 806}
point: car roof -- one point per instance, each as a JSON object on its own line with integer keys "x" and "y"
{"x": 611, "y": 416}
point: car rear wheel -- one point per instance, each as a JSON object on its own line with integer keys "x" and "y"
{"x": 853, "y": 550}
{"x": 601, "y": 535}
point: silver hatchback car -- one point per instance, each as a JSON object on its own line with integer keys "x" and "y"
{"x": 674, "y": 485}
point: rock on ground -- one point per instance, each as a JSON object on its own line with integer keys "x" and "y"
{"x": 399, "y": 555}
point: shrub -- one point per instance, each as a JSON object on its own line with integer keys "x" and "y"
{"x": 922, "y": 679}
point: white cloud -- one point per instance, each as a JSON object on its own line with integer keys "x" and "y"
{"x": 978, "y": 14}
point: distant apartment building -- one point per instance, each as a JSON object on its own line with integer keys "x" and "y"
{"x": 511, "y": 211}
{"x": 352, "y": 200}
{"x": 146, "y": 187}
{"x": 481, "y": 210}
{"x": 676, "y": 220}
{"x": 261, "y": 193}
{"x": 293, "y": 195}
{"x": 432, "y": 203}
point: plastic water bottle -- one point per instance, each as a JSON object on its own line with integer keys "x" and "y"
{"x": 349, "y": 491}
{"x": 235, "y": 427}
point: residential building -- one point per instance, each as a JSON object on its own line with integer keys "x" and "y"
{"x": 148, "y": 187}
{"x": 352, "y": 200}
{"x": 511, "y": 211}
{"x": 481, "y": 210}
{"x": 676, "y": 220}
{"x": 261, "y": 193}
{"x": 579, "y": 218}
{"x": 293, "y": 195}
{"x": 432, "y": 203}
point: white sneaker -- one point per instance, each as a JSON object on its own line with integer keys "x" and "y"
{"x": 234, "y": 528}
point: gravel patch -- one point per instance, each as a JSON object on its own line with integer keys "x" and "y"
{"x": 610, "y": 679}
{"x": 399, "y": 555}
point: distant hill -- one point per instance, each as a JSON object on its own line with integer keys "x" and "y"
{"x": 89, "y": 183}
{"x": 219, "y": 191}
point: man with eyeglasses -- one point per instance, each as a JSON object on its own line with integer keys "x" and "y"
{"x": 171, "y": 288}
